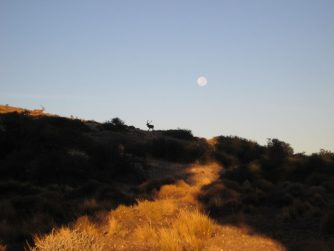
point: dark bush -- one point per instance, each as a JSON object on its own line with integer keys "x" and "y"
{"x": 179, "y": 134}
{"x": 115, "y": 124}
{"x": 241, "y": 149}
{"x": 178, "y": 150}
{"x": 279, "y": 150}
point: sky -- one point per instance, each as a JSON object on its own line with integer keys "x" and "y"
{"x": 269, "y": 64}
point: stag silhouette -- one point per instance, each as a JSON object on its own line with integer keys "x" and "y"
{"x": 149, "y": 126}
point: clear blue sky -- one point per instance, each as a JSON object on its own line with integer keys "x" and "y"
{"x": 269, "y": 64}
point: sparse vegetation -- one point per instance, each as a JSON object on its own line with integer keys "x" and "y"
{"x": 54, "y": 169}
{"x": 111, "y": 186}
{"x": 270, "y": 185}
{"x": 179, "y": 134}
{"x": 173, "y": 221}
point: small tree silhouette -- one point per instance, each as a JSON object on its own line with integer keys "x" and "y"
{"x": 279, "y": 150}
{"x": 115, "y": 124}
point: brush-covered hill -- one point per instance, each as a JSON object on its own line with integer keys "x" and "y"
{"x": 8, "y": 109}
{"x": 53, "y": 170}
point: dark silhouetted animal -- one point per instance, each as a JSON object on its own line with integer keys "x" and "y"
{"x": 149, "y": 126}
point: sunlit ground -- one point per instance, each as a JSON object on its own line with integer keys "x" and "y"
{"x": 173, "y": 221}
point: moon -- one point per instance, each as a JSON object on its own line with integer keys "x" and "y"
{"x": 202, "y": 81}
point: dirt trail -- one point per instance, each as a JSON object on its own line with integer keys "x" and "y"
{"x": 230, "y": 238}
{"x": 173, "y": 221}
{"x": 185, "y": 192}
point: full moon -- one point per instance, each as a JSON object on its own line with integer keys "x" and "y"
{"x": 202, "y": 81}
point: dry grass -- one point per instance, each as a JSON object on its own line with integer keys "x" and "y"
{"x": 8, "y": 109}
{"x": 181, "y": 191}
{"x": 150, "y": 225}
{"x": 172, "y": 222}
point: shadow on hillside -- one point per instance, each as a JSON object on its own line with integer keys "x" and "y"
{"x": 28, "y": 210}
{"x": 54, "y": 170}
{"x": 284, "y": 196}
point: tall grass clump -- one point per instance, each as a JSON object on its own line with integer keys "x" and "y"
{"x": 158, "y": 225}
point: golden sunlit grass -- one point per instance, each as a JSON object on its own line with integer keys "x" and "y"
{"x": 181, "y": 191}
{"x": 7, "y": 109}
{"x": 151, "y": 225}
{"x": 172, "y": 222}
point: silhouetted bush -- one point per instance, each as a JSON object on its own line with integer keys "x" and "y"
{"x": 179, "y": 150}
{"x": 278, "y": 150}
{"x": 228, "y": 160}
{"x": 243, "y": 150}
{"x": 179, "y": 134}
{"x": 115, "y": 124}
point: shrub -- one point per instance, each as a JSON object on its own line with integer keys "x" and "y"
{"x": 228, "y": 160}
{"x": 178, "y": 150}
{"x": 242, "y": 149}
{"x": 179, "y": 134}
{"x": 279, "y": 150}
{"x": 115, "y": 124}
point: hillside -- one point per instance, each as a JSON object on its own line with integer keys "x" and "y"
{"x": 110, "y": 186}
{"x": 8, "y": 109}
